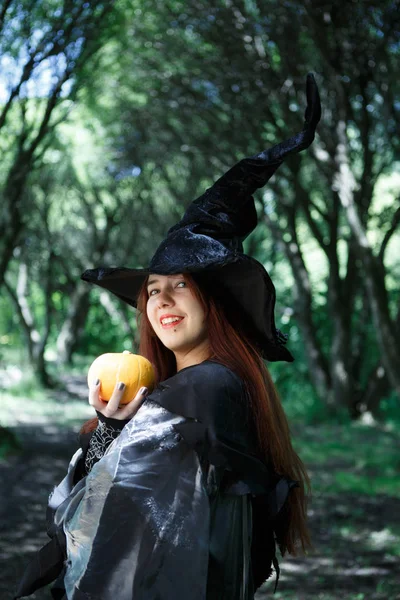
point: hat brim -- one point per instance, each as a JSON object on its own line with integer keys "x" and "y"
{"x": 123, "y": 282}
{"x": 245, "y": 290}
{"x": 242, "y": 287}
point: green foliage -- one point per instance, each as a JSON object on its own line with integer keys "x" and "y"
{"x": 9, "y": 443}
{"x": 390, "y": 410}
{"x": 357, "y": 459}
{"x": 102, "y": 334}
{"x": 169, "y": 97}
{"x": 9, "y": 334}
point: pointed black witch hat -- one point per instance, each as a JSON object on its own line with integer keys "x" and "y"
{"x": 208, "y": 242}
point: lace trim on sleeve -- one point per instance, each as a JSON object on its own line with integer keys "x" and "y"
{"x": 102, "y": 437}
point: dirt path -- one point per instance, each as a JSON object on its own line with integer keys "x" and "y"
{"x": 26, "y": 481}
{"x": 343, "y": 565}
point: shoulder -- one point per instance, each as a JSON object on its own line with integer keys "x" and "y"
{"x": 212, "y": 377}
{"x": 202, "y": 391}
{"x": 214, "y": 370}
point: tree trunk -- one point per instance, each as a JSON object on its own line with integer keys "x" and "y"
{"x": 319, "y": 373}
{"x": 73, "y": 324}
{"x": 36, "y": 344}
{"x": 11, "y": 221}
{"x": 41, "y": 372}
{"x": 340, "y": 353}
{"x": 40, "y": 348}
{"x": 378, "y": 385}
{"x": 117, "y": 314}
{"x": 373, "y": 269}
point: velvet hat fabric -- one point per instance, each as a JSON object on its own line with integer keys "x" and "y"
{"x": 208, "y": 242}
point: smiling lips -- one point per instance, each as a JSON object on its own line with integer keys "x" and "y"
{"x": 168, "y": 321}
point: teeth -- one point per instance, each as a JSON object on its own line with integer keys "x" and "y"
{"x": 170, "y": 320}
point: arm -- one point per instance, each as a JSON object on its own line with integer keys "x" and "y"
{"x": 111, "y": 420}
{"x": 48, "y": 563}
{"x": 105, "y": 433}
{"x": 143, "y": 513}
{"x": 95, "y": 443}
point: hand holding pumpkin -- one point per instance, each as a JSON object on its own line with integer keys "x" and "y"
{"x": 121, "y": 379}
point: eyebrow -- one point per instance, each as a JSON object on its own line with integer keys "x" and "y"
{"x": 149, "y": 283}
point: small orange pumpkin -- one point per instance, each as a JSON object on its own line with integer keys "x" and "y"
{"x": 132, "y": 369}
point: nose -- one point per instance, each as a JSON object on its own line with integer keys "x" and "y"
{"x": 164, "y": 298}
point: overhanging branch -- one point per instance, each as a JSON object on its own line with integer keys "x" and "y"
{"x": 389, "y": 233}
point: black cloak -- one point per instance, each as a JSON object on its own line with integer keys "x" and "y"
{"x": 179, "y": 507}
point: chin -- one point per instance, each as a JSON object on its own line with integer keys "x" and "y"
{"x": 170, "y": 344}
{"x": 176, "y": 347}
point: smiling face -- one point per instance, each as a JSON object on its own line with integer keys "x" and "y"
{"x": 178, "y": 318}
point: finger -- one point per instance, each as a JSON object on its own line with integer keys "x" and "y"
{"x": 94, "y": 396}
{"x": 129, "y": 410}
{"x": 112, "y": 406}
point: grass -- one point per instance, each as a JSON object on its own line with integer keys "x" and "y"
{"x": 25, "y": 402}
{"x": 20, "y": 409}
{"x": 351, "y": 457}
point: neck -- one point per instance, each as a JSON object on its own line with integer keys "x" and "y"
{"x": 192, "y": 357}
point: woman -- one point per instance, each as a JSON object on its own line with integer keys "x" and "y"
{"x": 182, "y": 493}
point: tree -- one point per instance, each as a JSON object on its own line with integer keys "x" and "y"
{"x": 48, "y": 47}
{"x": 214, "y": 80}
{"x": 198, "y": 87}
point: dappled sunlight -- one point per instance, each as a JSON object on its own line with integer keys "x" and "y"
{"x": 356, "y": 536}
{"x": 10, "y": 375}
{"x": 378, "y": 539}
{"x": 54, "y": 410}
{"x": 335, "y": 569}
{"x": 113, "y": 117}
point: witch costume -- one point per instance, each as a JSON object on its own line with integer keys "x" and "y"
{"x": 177, "y": 503}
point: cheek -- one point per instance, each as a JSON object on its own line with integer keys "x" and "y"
{"x": 150, "y": 312}
{"x": 200, "y": 316}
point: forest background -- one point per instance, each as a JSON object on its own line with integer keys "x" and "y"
{"x": 114, "y": 115}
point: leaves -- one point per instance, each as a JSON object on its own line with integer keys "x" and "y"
{"x": 167, "y": 100}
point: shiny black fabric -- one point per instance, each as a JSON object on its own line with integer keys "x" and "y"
{"x": 217, "y": 423}
{"x": 219, "y": 427}
{"x": 213, "y": 431}
{"x": 208, "y": 241}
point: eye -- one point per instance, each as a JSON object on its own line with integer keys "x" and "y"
{"x": 151, "y": 292}
{"x": 181, "y": 282}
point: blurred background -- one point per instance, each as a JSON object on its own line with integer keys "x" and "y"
{"x": 114, "y": 116}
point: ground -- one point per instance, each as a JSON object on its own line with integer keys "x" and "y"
{"x": 355, "y": 554}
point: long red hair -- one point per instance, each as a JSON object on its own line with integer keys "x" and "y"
{"x": 230, "y": 346}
